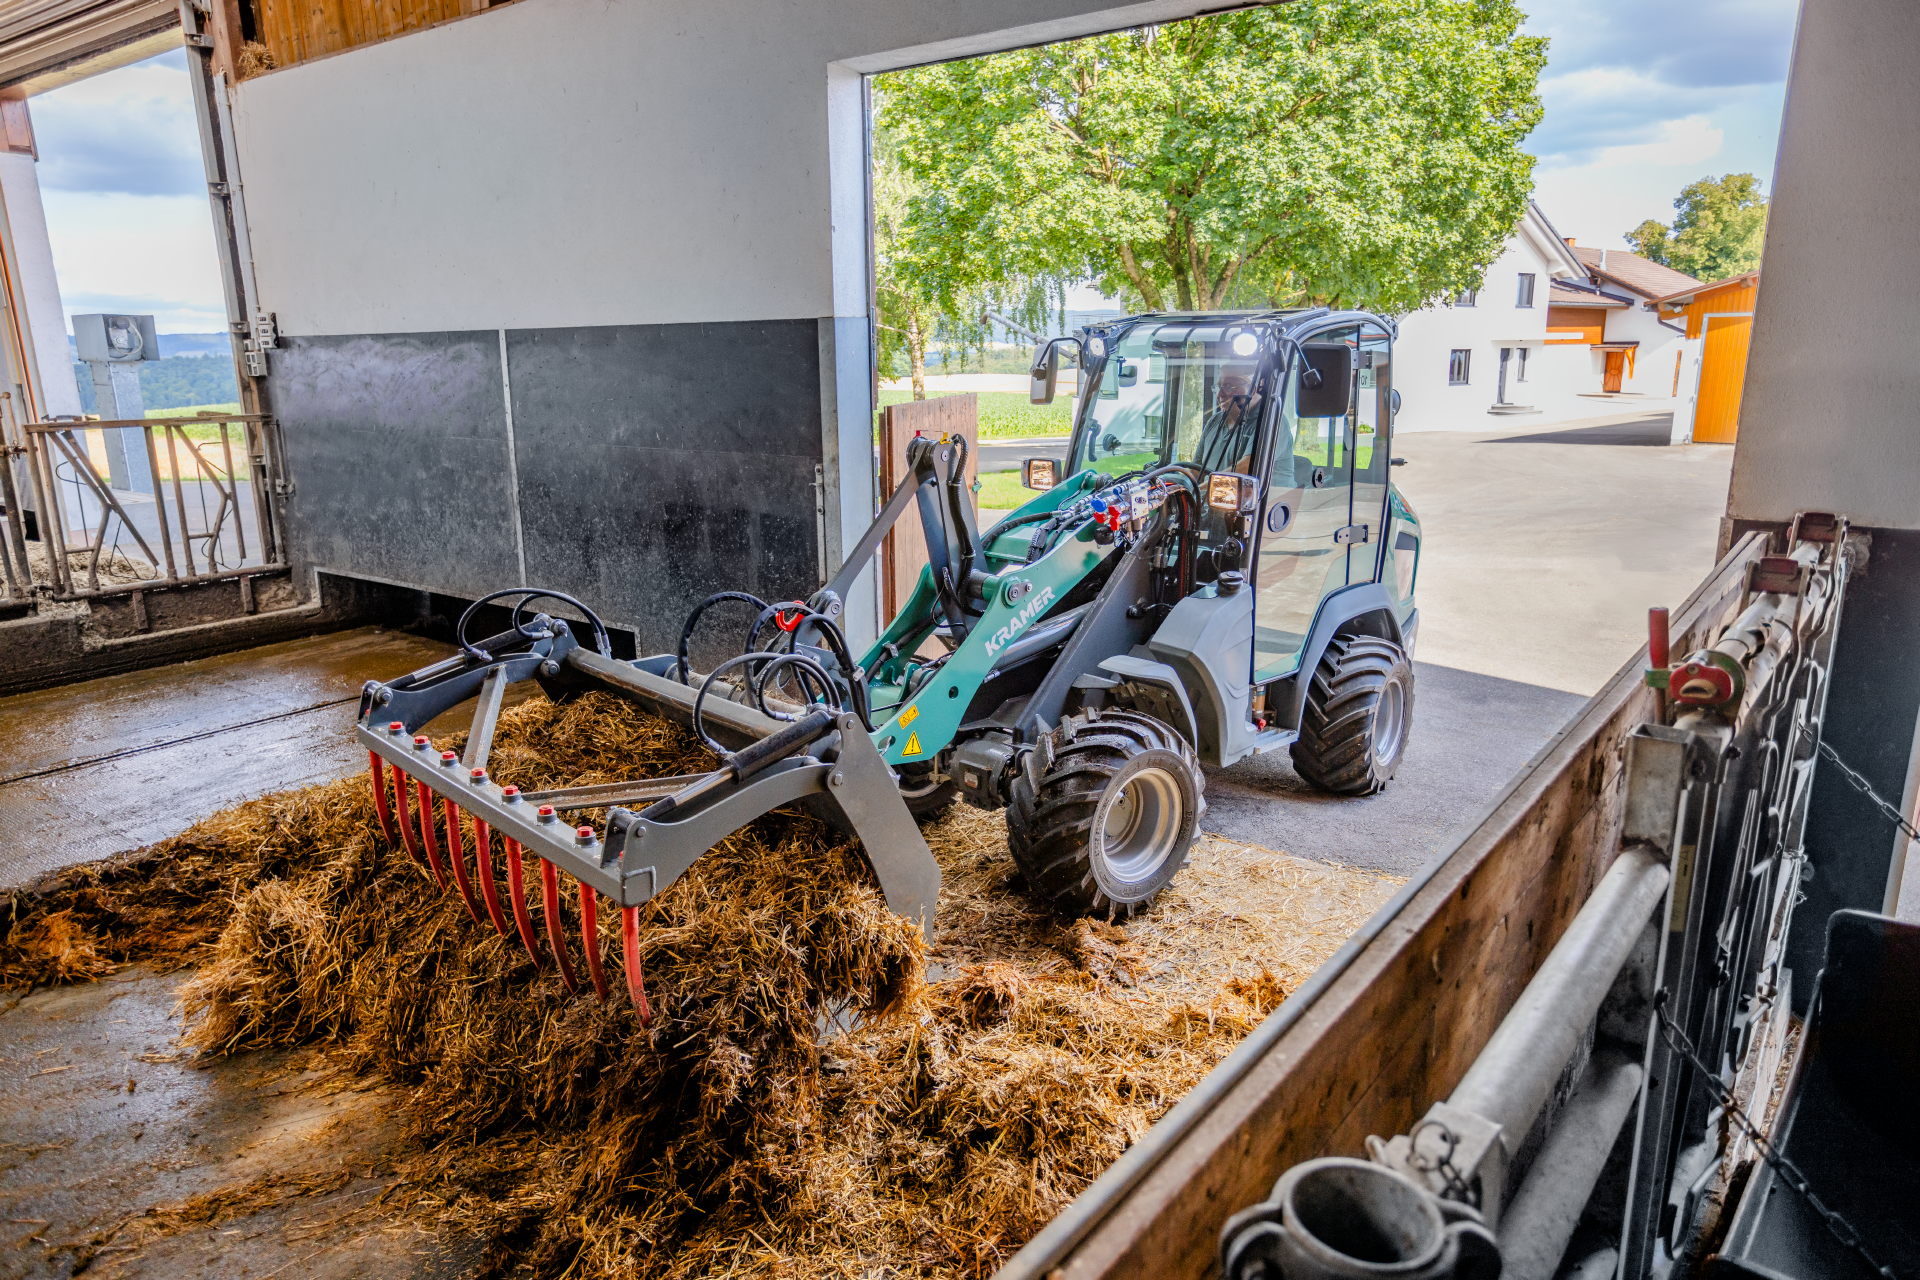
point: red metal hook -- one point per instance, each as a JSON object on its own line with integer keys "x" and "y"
{"x": 457, "y": 852}
{"x": 556, "y": 937}
{"x": 517, "y": 891}
{"x": 630, "y": 951}
{"x": 590, "y": 938}
{"x": 380, "y": 796}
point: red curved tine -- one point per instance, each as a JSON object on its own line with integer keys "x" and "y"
{"x": 483, "y": 863}
{"x": 630, "y": 949}
{"x": 457, "y": 854}
{"x": 424, "y": 800}
{"x": 590, "y": 937}
{"x": 405, "y": 816}
{"x": 380, "y": 796}
{"x": 550, "y": 907}
{"x": 517, "y": 891}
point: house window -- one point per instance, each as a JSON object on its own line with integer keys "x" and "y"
{"x": 1522, "y": 376}
{"x": 1457, "y": 367}
{"x": 1466, "y": 298}
{"x": 1526, "y": 290}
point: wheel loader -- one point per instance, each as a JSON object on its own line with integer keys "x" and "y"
{"x": 1221, "y": 567}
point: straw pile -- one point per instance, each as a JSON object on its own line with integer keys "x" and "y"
{"x": 804, "y": 1104}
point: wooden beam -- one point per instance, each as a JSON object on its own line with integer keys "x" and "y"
{"x": 1399, "y": 1027}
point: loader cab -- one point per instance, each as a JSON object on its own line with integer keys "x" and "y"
{"x": 1164, "y": 389}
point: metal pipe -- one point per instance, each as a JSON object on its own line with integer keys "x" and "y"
{"x": 1536, "y": 1228}
{"x": 1514, "y": 1075}
{"x": 250, "y": 571}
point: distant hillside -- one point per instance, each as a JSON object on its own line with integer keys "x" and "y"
{"x": 183, "y": 344}
{"x": 173, "y": 381}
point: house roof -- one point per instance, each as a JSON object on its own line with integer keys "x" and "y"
{"x": 1565, "y": 293}
{"x": 1688, "y": 295}
{"x": 1647, "y": 278}
{"x": 1551, "y": 244}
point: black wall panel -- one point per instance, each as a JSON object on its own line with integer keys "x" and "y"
{"x": 657, "y": 464}
{"x": 397, "y": 449}
{"x": 661, "y": 463}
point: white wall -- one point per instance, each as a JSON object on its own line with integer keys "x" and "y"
{"x": 1427, "y": 337}
{"x": 27, "y": 225}
{"x": 1828, "y": 417}
{"x": 575, "y": 162}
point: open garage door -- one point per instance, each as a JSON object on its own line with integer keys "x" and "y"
{"x": 48, "y": 43}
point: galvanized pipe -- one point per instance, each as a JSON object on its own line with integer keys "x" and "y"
{"x": 1514, "y": 1075}
{"x": 1536, "y": 1228}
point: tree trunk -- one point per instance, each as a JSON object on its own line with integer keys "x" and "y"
{"x": 917, "y": 353}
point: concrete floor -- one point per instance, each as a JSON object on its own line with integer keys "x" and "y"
{"x": 96, "y": 768}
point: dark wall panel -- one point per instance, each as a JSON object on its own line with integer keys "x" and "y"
{"x": 397, "y": 449}
{"x": 661, "y": 463}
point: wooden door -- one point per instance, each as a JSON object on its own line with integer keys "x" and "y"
{"x": 904, "y": 552}
{"x": 1723, "y": 374}
{"x": 1616, "y": 366}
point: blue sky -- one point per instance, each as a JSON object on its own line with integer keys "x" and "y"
{"x": 1642, "y": 97}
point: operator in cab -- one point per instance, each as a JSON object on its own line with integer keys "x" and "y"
{"x": 1227, "y": 436}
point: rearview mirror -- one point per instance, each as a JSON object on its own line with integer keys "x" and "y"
{"x": 1326, "y": 380}
{"x": 1037, "y": 473}
{"x": 1045, "y": 372}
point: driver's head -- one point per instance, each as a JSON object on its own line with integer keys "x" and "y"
{"x": 1232, "y": 386}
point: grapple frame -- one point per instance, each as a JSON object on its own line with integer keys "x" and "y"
{"x": 824, "y": 761}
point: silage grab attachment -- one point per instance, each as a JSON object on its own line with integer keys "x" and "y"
{"x": 447, "y": 810}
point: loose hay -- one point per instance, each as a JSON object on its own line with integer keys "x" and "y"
{"x": 745, "y": 1131}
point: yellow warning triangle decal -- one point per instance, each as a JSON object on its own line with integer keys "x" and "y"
{"x": 913, "y": 744}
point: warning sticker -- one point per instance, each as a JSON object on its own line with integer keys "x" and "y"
{"x": 913, "y": 745}
{"x": 908, "y": 716}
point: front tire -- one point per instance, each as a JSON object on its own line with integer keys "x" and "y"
{"x": 1359, "y": 712}
{"x": 1104, "y": 828}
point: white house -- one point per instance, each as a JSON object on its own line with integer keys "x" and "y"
{"x": 1554, "y": 333}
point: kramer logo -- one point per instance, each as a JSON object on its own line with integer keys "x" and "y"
{"x": 1018, "y": 622}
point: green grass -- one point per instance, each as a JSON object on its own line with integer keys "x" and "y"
{"x": 236, "y": 432}
{"x": 1007, "y": 415}
{"x": 1002, "y": 491}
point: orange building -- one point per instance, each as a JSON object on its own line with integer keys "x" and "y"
{"x": 1713, "y": 367}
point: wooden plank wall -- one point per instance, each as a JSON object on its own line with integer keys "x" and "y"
{"x": 301, "y": 30}
{"x": 1399, "y": 1028}
{"x": 904, "y": 553}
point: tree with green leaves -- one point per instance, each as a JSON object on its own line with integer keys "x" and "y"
{"x": 921, "y": 304}
{"x": 1719, "y": 232}
{"x": 1354, "y": 152}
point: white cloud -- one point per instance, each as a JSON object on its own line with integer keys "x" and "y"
{"x": 131, "y": 130}
{"x": 139, "y": 254}
{"x": 1683, "y": 142}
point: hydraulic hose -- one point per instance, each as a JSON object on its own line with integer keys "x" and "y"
{"x": 686, "y": 632}
{"x": 521, "y": 629}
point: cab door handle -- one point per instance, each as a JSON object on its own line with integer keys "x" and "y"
{"x": 1350, "y": 533}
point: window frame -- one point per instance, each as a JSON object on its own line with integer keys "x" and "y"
{"x": 1463, "y": 357}
{"x": 1467, "y": 298}
{"x": 1523, "y": 296}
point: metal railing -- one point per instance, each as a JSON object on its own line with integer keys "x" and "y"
{"x": 202, "y": 510}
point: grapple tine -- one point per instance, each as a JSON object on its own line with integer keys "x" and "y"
{"x": 517, "y": 892}
{"x": 380, "y": 797}
{"x": 556, "y": 935}
{"x": 630, "y": 952}
{"x": 457, "y": 854}
{"x": 424, "y": 802}
{"x": 590, "y": 937}
{"x": 403, "y": 814}
{"x": 483, "y": 865}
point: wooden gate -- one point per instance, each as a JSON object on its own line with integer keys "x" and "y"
{"x": 904, "y": 553}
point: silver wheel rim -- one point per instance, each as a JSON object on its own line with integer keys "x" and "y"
{"x": 1389, "y": 721}
{"x": 1141, "y": 827}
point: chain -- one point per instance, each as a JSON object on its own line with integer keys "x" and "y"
{"x": 1865, "y": 788}
{"x": 1454, "y": 1187}
{"x": 1841, "y": 1229}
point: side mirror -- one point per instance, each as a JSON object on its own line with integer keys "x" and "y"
{"x": 1038, "y": 473}
{"x": 1326, "y": 380}
{"x": 1396, "y": 402}
{"x": 1045, "y": 374}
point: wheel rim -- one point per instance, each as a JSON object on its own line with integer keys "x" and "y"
{"x": 1389, "y": 721}
{"x": 1142, "y": 826}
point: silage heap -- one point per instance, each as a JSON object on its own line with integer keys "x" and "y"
{"x": 804, "y": 1103}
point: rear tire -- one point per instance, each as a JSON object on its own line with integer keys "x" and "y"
{"x": 1105, "y": 828}
{"x": 1359, "y": 712}
{"x": 926, "y": 798}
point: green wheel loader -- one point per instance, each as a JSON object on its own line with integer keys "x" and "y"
{"x": 1220, "y": 567}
